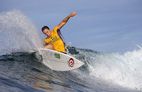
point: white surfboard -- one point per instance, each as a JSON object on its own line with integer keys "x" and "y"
{"x": 59, "y": 61}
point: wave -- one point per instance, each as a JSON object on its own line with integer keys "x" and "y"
{"x": 96, "y": 75}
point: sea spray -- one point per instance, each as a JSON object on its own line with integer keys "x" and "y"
{"x": 17, "y": 33}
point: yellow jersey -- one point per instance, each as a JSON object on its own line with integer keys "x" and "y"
{"x": 56, "y": 40}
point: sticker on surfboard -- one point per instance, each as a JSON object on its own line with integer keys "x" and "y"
{"x": 57, "y": 55}
{"x": 71, "y": 62}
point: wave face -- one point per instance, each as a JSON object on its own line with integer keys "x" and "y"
{"x": 21, "y": 71}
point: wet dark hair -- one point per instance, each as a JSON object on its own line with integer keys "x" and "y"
{"x": 45, "y": 27}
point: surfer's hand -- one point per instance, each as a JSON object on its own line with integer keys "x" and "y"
{"x": 73, "y": 14}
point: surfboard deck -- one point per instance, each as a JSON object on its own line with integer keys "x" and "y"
{"x": 59, "y": 61}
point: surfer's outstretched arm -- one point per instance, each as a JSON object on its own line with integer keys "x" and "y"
{"x": 65, "y": 20}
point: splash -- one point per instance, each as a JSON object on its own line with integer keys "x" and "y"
{"x": 17, "y": 33}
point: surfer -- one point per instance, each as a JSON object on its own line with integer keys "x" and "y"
{"x": 54, "y": 39}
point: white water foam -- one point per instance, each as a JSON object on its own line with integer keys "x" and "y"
{"x": 124, "y": 70}
{"x": 17, "y": 33}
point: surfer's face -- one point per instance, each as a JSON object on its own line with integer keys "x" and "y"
{"x": 47, "y": 32}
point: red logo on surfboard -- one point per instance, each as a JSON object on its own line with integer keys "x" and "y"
{"x": 71, "y": 62}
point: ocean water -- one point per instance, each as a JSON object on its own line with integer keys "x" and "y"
{"x": 21, "y": 70}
